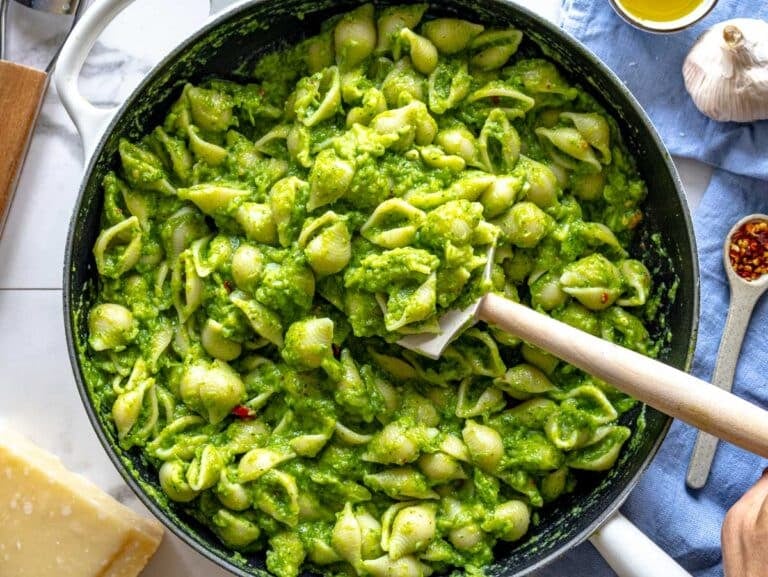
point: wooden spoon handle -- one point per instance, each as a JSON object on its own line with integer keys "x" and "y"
{"x": 665, "y": 388}
{"x": 21, "y": 93}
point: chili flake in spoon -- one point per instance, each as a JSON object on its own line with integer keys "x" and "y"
{"x": 748, "y": 250}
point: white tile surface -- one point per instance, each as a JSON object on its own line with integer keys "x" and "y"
{"x": 37, "y": 390}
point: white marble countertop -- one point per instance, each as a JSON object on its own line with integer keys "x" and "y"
{"x": 37, "y": 390}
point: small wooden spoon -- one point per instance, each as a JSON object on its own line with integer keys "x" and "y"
{"x": 744, "y": 296}
{"x": 664, "y": 388}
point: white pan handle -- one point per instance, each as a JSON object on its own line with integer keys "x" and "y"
{"x": 630, "y": 553}
{"x": 89, "y": 120}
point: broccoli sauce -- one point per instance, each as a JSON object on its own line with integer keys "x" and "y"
{"x": 264, "y": 248}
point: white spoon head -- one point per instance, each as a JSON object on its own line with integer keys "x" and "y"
{"x": 452, "y": 323}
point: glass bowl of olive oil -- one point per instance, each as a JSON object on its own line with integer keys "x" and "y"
{"x": 662, "y": 15}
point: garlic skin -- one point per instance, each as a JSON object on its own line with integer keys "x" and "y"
{"x": 726, "y": 71}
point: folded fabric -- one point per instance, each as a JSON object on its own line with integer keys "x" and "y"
{"x": 651, "y": 64}
{"x": 687, "y": 523}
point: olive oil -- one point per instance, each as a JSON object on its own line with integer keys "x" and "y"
{"x": 659, "y": 10}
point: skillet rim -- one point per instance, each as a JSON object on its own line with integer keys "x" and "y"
{"x": 600, "y": 69}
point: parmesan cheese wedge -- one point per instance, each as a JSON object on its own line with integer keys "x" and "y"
{"x": 54, "y": 522}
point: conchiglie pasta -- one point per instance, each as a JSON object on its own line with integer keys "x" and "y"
{"x": 118, "y": 248}
{"x": 485, "y": 445}
{"x": 403, "y": 83}
{"x": 216, "y": 343}
{"x": 512, "y": 102}
{"x": 355, "y": 36}
{"x": 568, "y": 147}
{"x": 393, "y": 19}
{"x": 408, "y": 566}
{"x": 174, "y": 483}
{"x": 262, "y": 252}
{"x": 423, "y": 52}
{"x": 329, "y": 179}
{"x": 212, "y": 390}
{"x": 327, "y": 244}
{"x": 205, "y": 469}
{"x": 257, "y": 222}
{"x": 256, "y": 462}
{"x": 451, "y": 35}
{"x": 602, "y": 453}
{"x": 401, "y": 483}
{"x": 413, "y": 528}
{"x": 318, "y": 97}
{"x": 231, "y": 494}
{"x": 509, "y": 520}
{"x": 492, "y": 48}
{"x": 111, "y": 326}
{"x": 277, "y": 495}
{"x": 449, "y": 85}
{"x": 205, "y": 151}
{"x": 236, "y": 530}
{"x": 319, "y": 52}
{"x": 347, "y": 537}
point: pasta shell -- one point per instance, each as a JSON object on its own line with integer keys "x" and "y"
{"x": 173, "y": 481}
{"x": 110, "y": 326}
{"x": 277, "y": 495}
{"x": 440, "y": 468}
{"x": 257, "y": 462}
{"x": 484, "y": 444}
{"x": 346, "y": 537}
{"x": 408, "y": 566}
{"x": 205, "y": 469}
{"x": 232, "y": 495}
{"x": 594, "y": 128}
{"x": 355, "y": 36}
{"x": 117, "y": 249}
{"x": 330, "y": 251}
{"x": 350, "y": 437}
{"x": 413, "y": 529}
{"x": 508, "y": 520}
{"x": 401, "y": 483}
{"x": 423, "y": 52}
{"x": 265, "y": 322}
{"x": 308, "y": 445}
{"x": 451, "y": 35}
{"x": 370, "y": 532}
{"x": 393, "y": 19}
{"x": 216, "y": 344}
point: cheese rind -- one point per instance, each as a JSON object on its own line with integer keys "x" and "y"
{"x": 55, "y": 522}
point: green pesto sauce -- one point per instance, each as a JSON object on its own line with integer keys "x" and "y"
{"x": 264, "y": 248}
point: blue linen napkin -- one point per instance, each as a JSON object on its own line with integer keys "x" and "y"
{"x": 687, "y": 523}
{"x": 651, "y": 67}
{"x": 683, "y": 522}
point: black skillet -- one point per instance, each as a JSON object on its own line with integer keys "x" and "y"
{"x": 236, "y": 38}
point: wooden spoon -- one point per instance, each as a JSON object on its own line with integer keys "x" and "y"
{"x": 664, "y": 388}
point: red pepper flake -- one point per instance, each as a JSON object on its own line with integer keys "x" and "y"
{"x": 336, "y": 350}
{"x": 227, "y": 286}
{"x": 243, "y": 412}
{"x": 495, "y": 100}
{"x": 748, "y": 249}
{"x": 604, "y": 297}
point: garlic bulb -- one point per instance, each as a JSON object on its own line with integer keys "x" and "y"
{"x": 726, "y": 71}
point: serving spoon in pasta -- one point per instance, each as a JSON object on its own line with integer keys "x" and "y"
{"x": 661, "y": 386}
